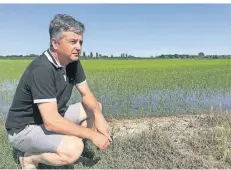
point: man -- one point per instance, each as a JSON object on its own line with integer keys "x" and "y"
{"x": 39, "y": 122}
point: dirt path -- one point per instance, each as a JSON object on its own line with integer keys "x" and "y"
{"x": 129, "y": 127}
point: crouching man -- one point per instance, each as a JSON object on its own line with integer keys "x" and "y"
{"x": 40, "y": 124}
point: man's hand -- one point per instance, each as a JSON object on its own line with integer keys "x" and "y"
{"x": 100, "y": 140}
{"x": 90, "y": 102}
{"x": 102, "y": 126}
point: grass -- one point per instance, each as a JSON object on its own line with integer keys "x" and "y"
{"x": 142, "y": 75}
{"x": 6, "y": 154}
{"x": 203, "y": 143}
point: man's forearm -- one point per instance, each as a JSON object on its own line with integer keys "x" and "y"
{"x": 91, "y": 103}
{"x": 67, "y": 127}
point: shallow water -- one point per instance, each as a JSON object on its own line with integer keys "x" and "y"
{"x": 7, "y": 90}
{"x": 4, "y": 108}
{"x": 157, "y": 102}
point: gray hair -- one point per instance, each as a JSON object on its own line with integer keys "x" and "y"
{"x": 63, "y": 23}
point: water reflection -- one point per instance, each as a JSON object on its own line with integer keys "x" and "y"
{"x": 156, "y": 102}
{"x": 7, "y": 90}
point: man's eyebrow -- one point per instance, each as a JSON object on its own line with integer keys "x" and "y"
{"x": 75, "y": 39}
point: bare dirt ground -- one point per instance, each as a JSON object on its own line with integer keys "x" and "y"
{"x": 127, "y": 127}
{"x": 179, "y": 129}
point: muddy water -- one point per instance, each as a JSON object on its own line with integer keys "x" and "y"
{"x": 157, "y": 102}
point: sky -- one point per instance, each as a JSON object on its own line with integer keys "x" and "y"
{"x": 136, "y": 29}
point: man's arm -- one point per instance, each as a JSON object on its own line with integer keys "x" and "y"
{"x": 53, "y": 121}
{"x": 91, "y": 103}
{"x": 88, "y": 98}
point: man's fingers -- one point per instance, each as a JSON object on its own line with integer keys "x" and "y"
{"x": 108, "y": 136}
{"x": 110, "y": 139}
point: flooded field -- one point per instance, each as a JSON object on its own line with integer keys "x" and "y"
{"x": 153, "y": 87}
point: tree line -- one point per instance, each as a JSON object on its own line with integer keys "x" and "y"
{"x": 125, "y": 56}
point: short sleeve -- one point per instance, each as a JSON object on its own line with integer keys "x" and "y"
{"x": 80, "y": 75}
{"x": 43, "y": 87}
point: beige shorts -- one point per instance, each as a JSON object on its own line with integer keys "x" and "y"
{"x": 36, "y": 139}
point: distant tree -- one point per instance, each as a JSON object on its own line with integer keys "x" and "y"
{"x": 201, "y": 55}
{"x": 31, "y": 56}
{"x": 84, "y": 54}
{"x": 162, "y": 56}
{"x": 215, "y": 57}
{"x": 91, "y": 55}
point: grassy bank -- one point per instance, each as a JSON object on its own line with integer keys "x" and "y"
{"x": 201, "y": 142}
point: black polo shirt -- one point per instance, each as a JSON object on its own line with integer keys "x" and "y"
{"x": 44, "y": 80}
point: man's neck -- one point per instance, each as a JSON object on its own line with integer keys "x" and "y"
{"x": 56, "y": 57}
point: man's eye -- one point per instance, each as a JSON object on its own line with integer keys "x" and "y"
{"x": 73, "y": 42}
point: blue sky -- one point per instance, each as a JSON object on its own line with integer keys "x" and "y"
{"x": 140, "y": 30}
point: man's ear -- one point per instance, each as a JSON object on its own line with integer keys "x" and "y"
{"x": 54, "y": 43}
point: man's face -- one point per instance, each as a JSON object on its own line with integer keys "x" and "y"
{"x": 69, "y": 47}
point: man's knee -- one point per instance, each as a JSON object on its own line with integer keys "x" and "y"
{"x": 70, "y": 149}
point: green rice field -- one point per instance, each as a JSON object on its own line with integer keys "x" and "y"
{"x": 143, "y": 87}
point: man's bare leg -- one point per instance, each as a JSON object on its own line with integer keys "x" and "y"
{"x": 68, "y": 151}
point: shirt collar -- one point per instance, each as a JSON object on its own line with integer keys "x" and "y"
{"x": 51, "y": 58}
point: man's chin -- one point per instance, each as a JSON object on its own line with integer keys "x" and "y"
{"x": 74, "y": 58}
